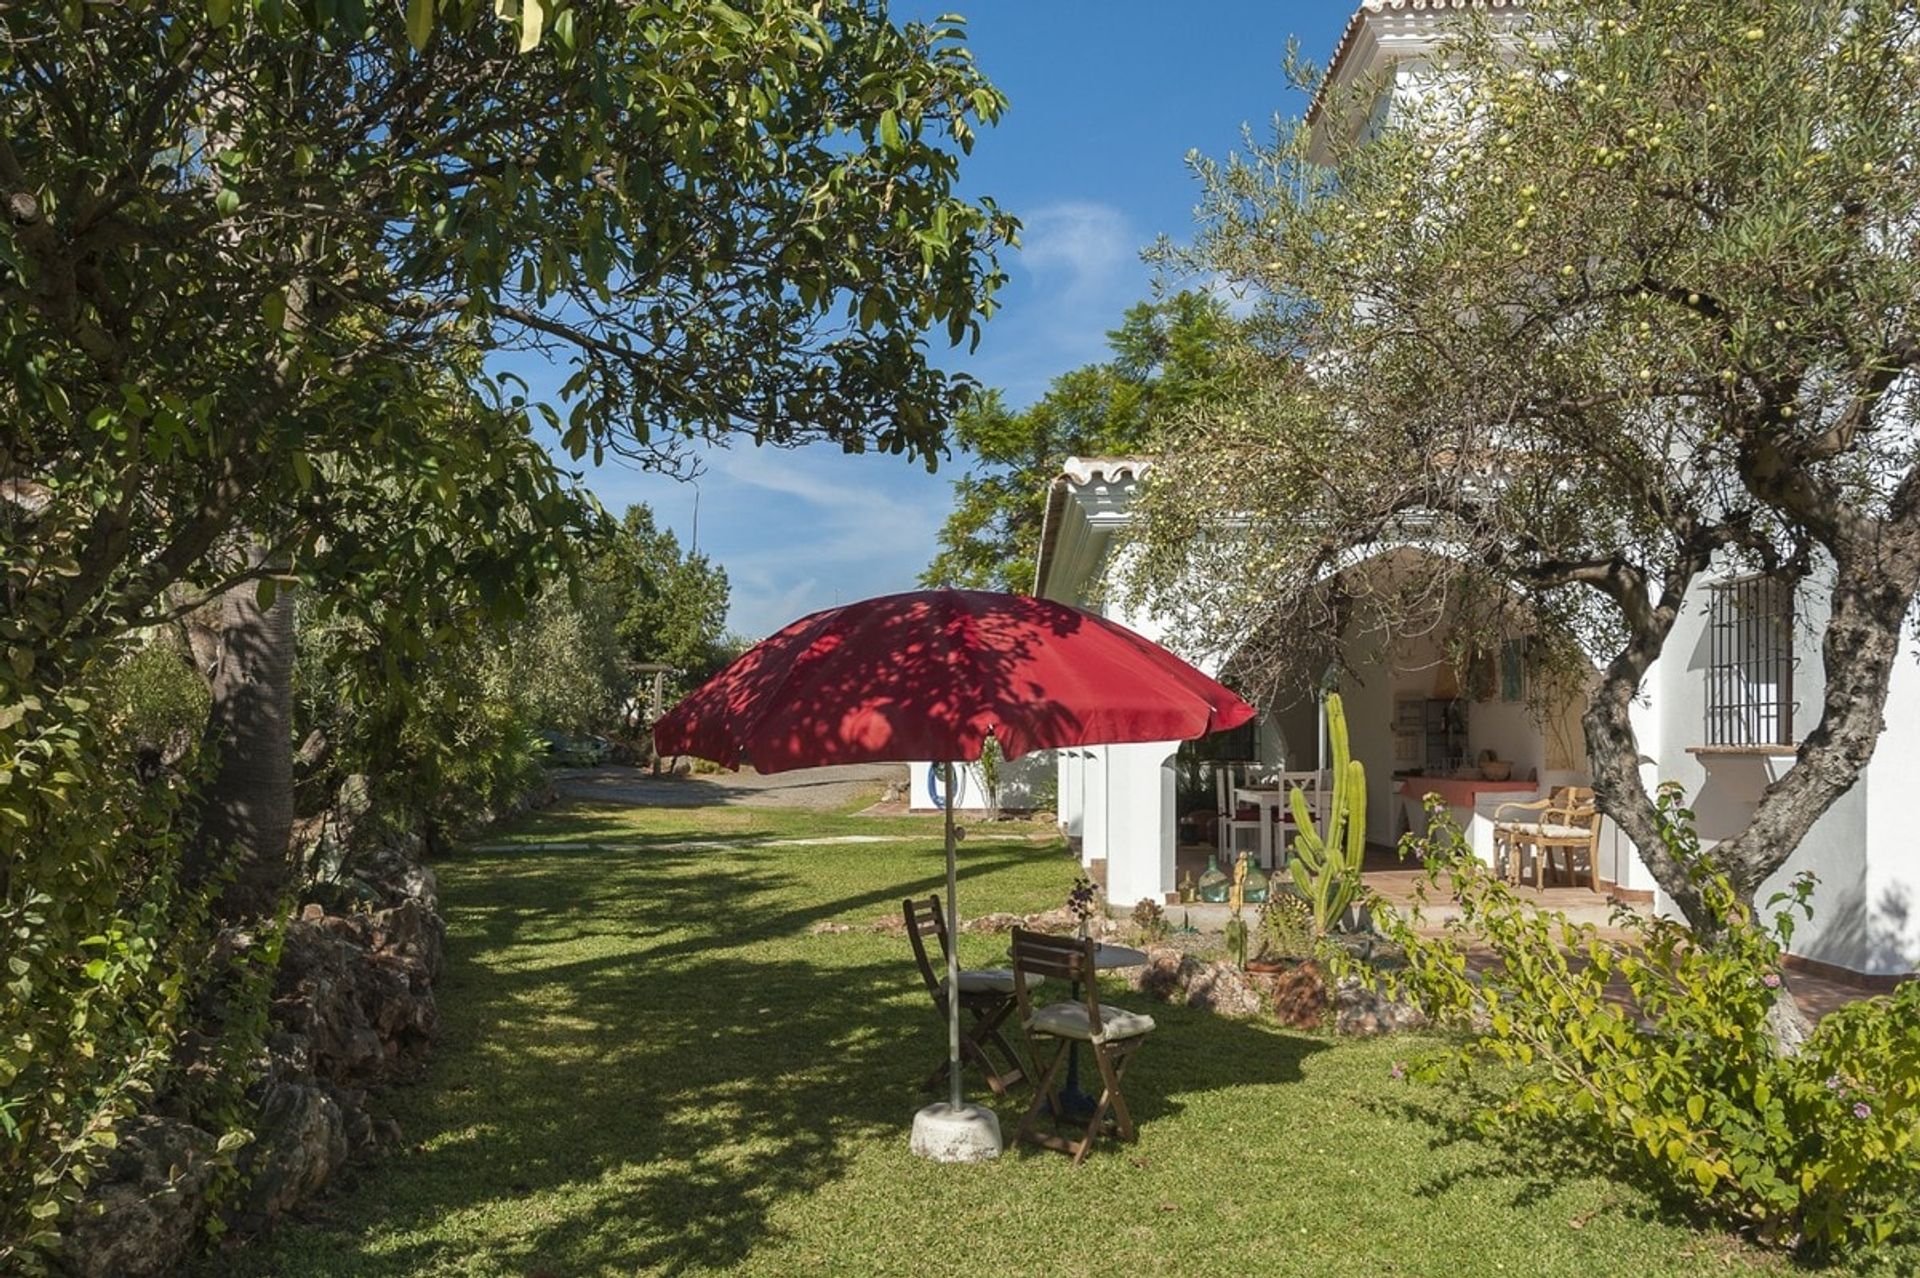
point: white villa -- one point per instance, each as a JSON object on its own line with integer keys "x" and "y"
{"x": 1720, "y": 713}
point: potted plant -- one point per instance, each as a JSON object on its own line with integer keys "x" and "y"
{"x": 1151, "y": 921}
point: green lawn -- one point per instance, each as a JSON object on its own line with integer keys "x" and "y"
{"x": 649, "y": 1066}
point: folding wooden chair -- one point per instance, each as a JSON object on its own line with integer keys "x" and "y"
{"x": 986, "y": 995}
{"x": 1111, "y": 1036}
{"x": 1318, "y": 794}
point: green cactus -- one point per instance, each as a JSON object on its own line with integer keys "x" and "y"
{"x": 1326, "y": 863}
{"x": 1236, "y": 938}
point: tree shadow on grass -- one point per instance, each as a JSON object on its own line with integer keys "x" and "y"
{"x": 663, "y": 1111}
{"x": 630, "y": 1031}
{"x": 645, "y": 1057}
{"x": 1543, "y": 1157}
{"x": 1190, "y": 1053}
{"x": 1535, "y": 1159}
{"x": 738, "y": 897}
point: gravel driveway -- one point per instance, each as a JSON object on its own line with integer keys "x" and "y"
{"x": 818, "y": 788}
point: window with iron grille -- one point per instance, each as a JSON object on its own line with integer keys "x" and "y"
{"x": 1750, "y": 663}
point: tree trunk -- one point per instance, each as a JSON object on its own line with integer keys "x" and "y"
{"x": 1870, "y": 603}
{"x": 246, "y": 815}
{"x": 1871, "y": 598}
{"x": 1613, "y": 748}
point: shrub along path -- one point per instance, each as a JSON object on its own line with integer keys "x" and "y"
{"x": 649, "y": 1065}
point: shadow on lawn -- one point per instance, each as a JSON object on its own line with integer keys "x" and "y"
{"x": 1190, "y": 1053}
{"x": 1541, "y": 1160}
{"x": 1539, "y": 1164}
{"x": 608, "y": 823}
{"x": 738, "y": 895}
{"x": 643, "y": 1060}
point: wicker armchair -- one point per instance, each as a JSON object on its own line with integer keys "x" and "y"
{"x": 1564, "y": 828}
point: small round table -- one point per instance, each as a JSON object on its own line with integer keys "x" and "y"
{"x": 1074, "y": 1102}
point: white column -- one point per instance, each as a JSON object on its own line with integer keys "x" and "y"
{"x": 1094, "y": 835}
{"x": 1140, "y": 822}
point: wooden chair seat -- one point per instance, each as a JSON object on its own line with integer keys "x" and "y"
{"x": 1071, "y": 1020}
{"x": 985, "y": 980}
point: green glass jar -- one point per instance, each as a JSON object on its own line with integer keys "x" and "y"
{"x": 1214, "y": 884}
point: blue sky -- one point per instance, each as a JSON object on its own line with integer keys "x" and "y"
{"x": 1106, "y": 102}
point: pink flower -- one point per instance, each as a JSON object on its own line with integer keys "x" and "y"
{"x": 1398, "y": 1072}
{"x": 1771, "y": 980}
{"x": 1862, "y": 1110}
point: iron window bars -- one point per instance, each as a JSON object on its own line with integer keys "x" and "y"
{"x": 1750, "y": 663}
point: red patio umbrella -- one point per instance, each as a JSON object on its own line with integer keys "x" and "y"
{"x": 932, "y": 674}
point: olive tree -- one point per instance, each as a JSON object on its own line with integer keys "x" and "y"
{"x": 1630, "y": 296}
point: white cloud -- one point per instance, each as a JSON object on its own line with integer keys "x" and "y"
{"x": 804, "y": 529}
{"x": 1235, "y": 296}
{"x": 1077, "y": 271}
{"x": 1091, "y": 245}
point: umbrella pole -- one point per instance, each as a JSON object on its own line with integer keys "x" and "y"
{"x": 953, "y": 953}
{"x": 955, "y": 1132}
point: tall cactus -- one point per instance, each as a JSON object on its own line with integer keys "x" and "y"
{"x": 1326, "y": 863}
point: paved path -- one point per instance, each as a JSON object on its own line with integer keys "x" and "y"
{"x": 813, "y": 788}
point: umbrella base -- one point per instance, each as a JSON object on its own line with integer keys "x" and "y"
{"x": 969, "y": 1134}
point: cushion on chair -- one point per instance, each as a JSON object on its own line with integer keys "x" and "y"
{"x": 989, "y": 980}
{"x": 1536, "y": 831}
{"x": 1069, "y": 1020}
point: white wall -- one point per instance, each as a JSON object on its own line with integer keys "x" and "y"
{"x": 1070, "y": 770}
{"x": 1889, "y": 911}
{"x": 1138, "y": 819}
{"x": 1128, "y": 813}
{"x": 1020, "y": 780}
{"x": 1095, "y": 807}
{"x": 1368, "y": 698}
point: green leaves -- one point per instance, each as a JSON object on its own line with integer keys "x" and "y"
{"x": 1166, "y": 357}
{"x": 282, "y": 313}
{"x": 1682, "y": 1082}
{"x": 420, "y": 20}
{"x": 95, "y": 936}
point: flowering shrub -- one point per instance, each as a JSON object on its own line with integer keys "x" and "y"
{"x": 1678, "y": 1073}
{"x": 1080, "y": 900}
{"x": 1151, "y": 920}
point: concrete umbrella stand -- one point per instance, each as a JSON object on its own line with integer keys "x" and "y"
{"x": 952, "y": 1131}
